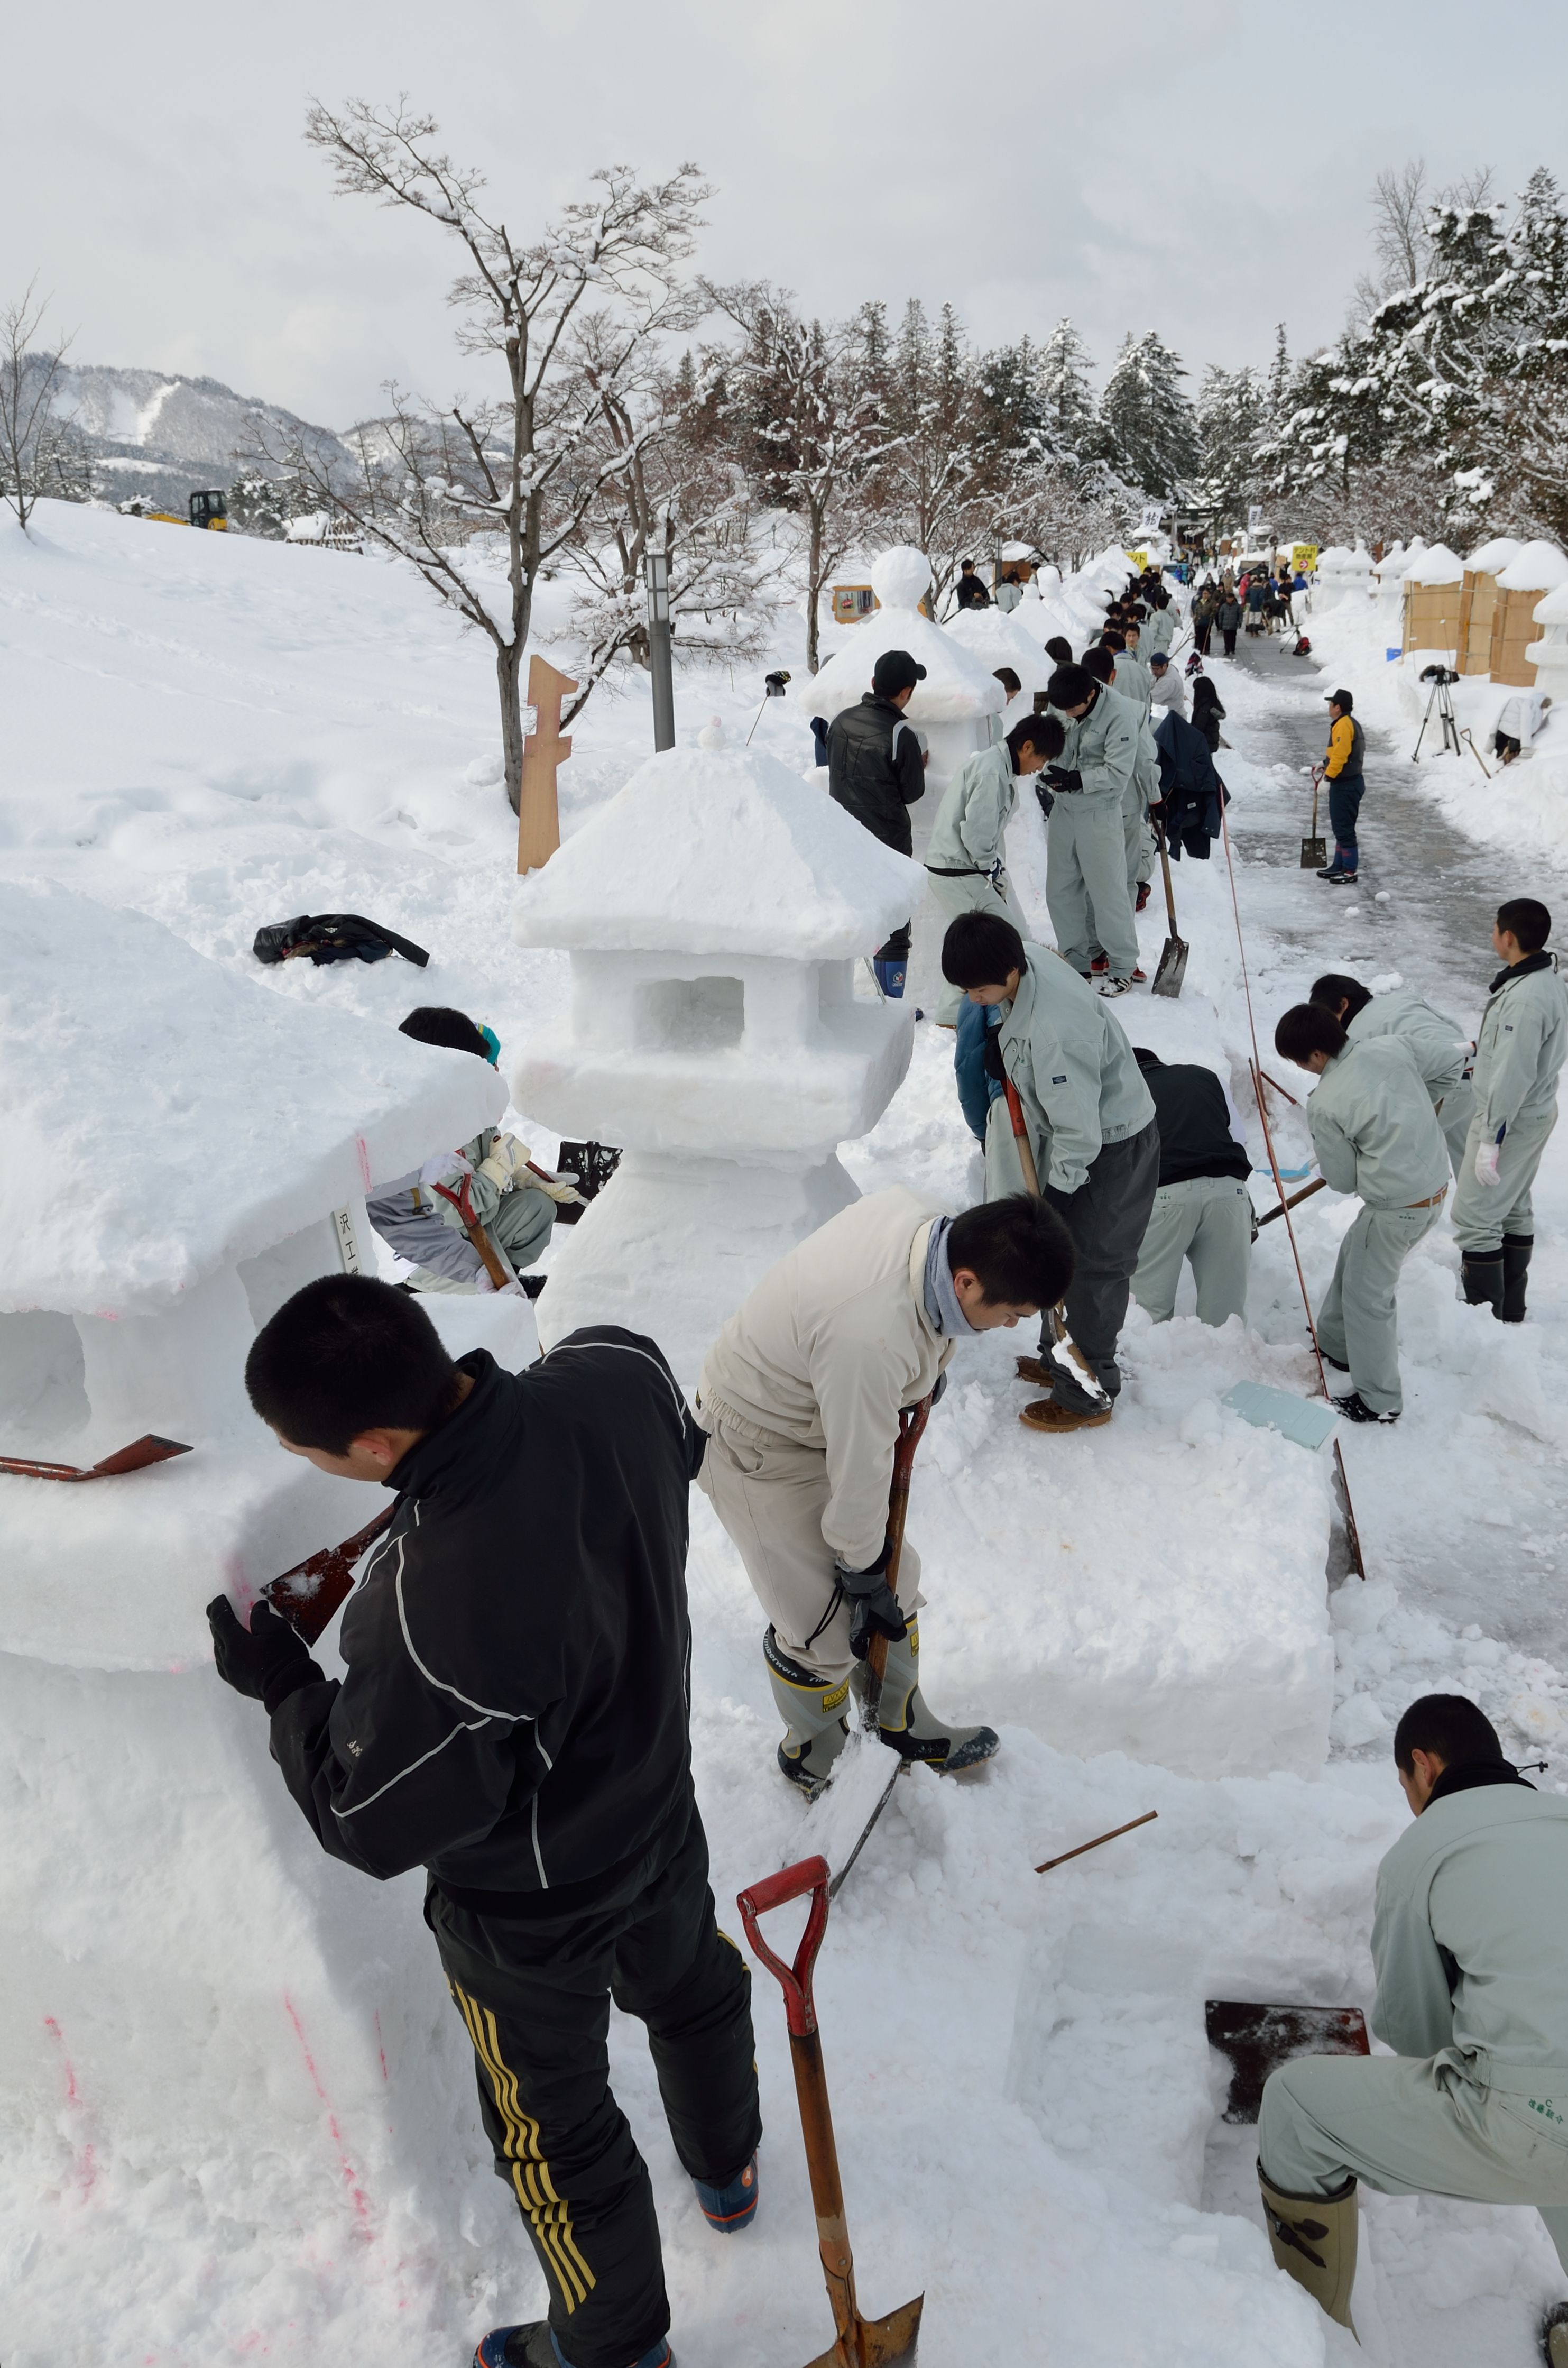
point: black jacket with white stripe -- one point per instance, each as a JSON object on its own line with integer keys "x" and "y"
{"x": 515, "y": 1711}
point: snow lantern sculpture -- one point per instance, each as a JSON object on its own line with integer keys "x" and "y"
{"x": 953, "y": 706}
{"x": 1548, "y": 656}
{"x": 1539, "y": 568}
{"x": 1328, "y": 583}
{"x": 1478, "y": 601}
{"x": 713, "y": 911}
{"x": 1388, "y": 575}
{"x": 183, "y": 1149}
{"x": 997, "y": 639}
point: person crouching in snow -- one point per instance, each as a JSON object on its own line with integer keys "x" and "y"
{"x": 1093, "y": 1136}
{"x": 1470, "y": 1946}
{"x": 488, "y": 1183}
{"x": 800, "y": 1397}
{"x": 966, "y": 861}
{"x": 1375, "y": 1133}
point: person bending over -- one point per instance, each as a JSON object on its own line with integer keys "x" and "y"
{"x": 800, "y": 1395}
{"x": 1438, "y": 1050}
{"x": 1202, "y": 1210}
{"x": 514, "y": 1718}
{"x": 1469, "y": 1947}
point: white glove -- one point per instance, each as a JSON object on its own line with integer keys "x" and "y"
{"x": 506, "y": 1162}
{"x": 1486, "y": 1159}
{"x": 498, "y": 1291}
{"x": 446, "y": 1167}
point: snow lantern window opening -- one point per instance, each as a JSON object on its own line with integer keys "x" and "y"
{"x": 696, "y": 1015}
{"x": 714, "y": 912}
{"x": 43, "y": 1379}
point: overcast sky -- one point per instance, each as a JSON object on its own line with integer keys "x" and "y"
{"x": 1199, "y": 168}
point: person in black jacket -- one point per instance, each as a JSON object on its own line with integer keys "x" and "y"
{"x": 1202, "y": 1209}
{"x": 968, "y": 592}
{"x": 876, "y": 771}
{"x": 1208, "y": 713}
{"x": 514, "y": 1718}
{"x": 1190, "y": 789}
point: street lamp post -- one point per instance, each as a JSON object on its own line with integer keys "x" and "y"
{"x": 656, "y": 569}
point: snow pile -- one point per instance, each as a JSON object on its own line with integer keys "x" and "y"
{"x": 999, "y": 640}
{"x": 720, "y": 850}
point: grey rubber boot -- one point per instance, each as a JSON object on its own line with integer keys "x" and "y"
{"x": 813, "y": 1715}
{"x": 1555, "y": 2336}
{"x": 1313, "y": 2239}
{"x": 1480, "y": 1277}
{"x": 1517, "y": 1248}
{"x": 908, "y": 1726}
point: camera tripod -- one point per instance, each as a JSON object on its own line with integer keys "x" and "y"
{"x": 1442, "y": 703}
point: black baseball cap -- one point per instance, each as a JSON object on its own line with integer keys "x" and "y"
{"x": 895, "y": 670}
{"x": 1341, "y": 698}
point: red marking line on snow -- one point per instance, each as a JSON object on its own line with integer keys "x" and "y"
{"x": 351, "y": 2177}
{"x": 380, "y": 2047}
{"x": 87, "y": 2162}
{"x": 364, "y": 1161}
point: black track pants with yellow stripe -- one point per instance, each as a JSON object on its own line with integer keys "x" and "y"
{"x": 534, "y": 1994}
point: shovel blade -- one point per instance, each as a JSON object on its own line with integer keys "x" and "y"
{"x": 877, "y": 2342}
{"x": 1315, "y": 854}
{"x": 1171, "y": 968}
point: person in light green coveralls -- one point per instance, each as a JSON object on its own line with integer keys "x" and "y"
{"x": 1374, "y": 1134}
{"x": 1438, "y": 1046}
{"x": 1085, "y": 878}
{"x": 1518, "y": 1055}
{"x": 966, "y": 860}
{"x": 1470, "y": 1946}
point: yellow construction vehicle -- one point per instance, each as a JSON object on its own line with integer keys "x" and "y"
{"x": 206, "y": 509}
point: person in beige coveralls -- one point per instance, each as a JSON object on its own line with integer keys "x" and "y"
{"x": 800, "y": 1395}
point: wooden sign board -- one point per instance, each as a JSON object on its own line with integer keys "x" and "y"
{"x": 539, "y": 815}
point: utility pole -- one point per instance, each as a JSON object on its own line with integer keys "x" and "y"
{"x": 656, "y": 568}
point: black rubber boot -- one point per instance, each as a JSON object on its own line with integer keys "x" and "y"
{"x": 1517, "y": 1248}
{"x": 1482, "y": 1276}
{"x": 1555, "y": 2336}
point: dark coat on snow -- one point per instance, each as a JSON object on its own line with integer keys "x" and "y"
{"x": 515, "y": 1711}
{"x": 1190, "y": 788}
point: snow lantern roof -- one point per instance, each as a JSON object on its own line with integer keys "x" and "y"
{"x": 1017, "y": 550}
{"x": 1437, "y": 564}
{"x": 956, "y": 688}
{"x": 1539, "y": 567}
{"x": 1394, "y": 561}
{"x": 1488, "y": 557}
{"x": 1554, "y": 610}
{"x": 715, "y": 850}
{"x": 199, "y": 1116}
{"x": 997, "y": 639}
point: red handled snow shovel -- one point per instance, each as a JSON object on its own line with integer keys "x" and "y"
{"x": 149, "y": 1449}
{"x": 310, "y": 1592}
{"x": 1258, "y": 2038}
{"x": 1171, "y": 968}
{"x": 1055, "y": 1320}
{"x": 1315, "y": 850}
{"x": 858, "y": 2342}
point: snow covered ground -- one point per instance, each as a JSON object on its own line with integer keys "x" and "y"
{"x": 234, "y": 2103}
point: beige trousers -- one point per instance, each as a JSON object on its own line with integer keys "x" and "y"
{"x": 770, "y": 1496}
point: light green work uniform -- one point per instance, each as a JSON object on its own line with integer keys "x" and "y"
{"x": 1158, "y": 634}
{"x": 1471, "y": 1949}
{"x": 1520, "y": 1050}
{"x": 1375, "y": 1134}
{"x": 1085, "y": 877}
{"x": 1439, "y": 1051}
{"x": 1208, "y": 1219}
{"x": 964, "y": 862}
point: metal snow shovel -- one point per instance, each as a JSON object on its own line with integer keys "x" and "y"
{"x": 1258, "y": 2038}
{"x": 1315, "y": 850}
{"x": 1171, "y": 966}
{"x": 858, "y": 2342}
{"x": 148, "y": 1449}
{"x": 912, "y": 1423}
{"x": 310, "y": 1592}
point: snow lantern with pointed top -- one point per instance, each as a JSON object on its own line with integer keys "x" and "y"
{"x": 952, "y": 708}
{"x": 715, "y": 912}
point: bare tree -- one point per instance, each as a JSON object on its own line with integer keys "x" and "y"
{"x": 1402, "y": 204}
{"x": 809, "y": 425}
{"x": 40, "y": 452}
{"x": 529, "y": 464}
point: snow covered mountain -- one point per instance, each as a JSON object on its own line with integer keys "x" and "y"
{"x": 162, "y": 435}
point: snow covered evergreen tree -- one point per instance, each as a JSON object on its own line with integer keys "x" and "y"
{"x": 1232, "y": 409}
{"x": 1065, "y": 396}
{"x": 1147, "y": 430}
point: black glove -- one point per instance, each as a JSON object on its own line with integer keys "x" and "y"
{"x": 1062, "y": 777}
{"x": 991, "y": 1055}
{"x": 1043, "y": 794}
{"x": 266, "y": 1660}
{"x": 873, "y": 1606}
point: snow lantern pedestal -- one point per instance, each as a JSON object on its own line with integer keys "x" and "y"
{"x": 713, "y": 911}
{"x": 953, "y": 706}
{"x": 1548, "y": 656}
{"x": 183, "y": 1149}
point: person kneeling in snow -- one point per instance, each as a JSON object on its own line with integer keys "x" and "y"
{"x": 1469, "y": 1944}
{"x": 1092, "y": 1134}
{"x": 1375, "y": 1134}
{"x": 425, "y": 1216}
{"x": 514, "y": 1717}
{"x": 800, "y": 1397}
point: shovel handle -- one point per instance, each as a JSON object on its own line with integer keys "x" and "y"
{"x": 808, "y": 1874}
{"x": 1021, "y": 1137}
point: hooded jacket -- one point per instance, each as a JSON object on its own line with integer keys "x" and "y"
{"x": 875, "y": 771}
{"x": 1066, "y": 1053}
{"x": 968, "y": 834}
{"x": 1520, "y": 1048}
{"x": 515, "y": 1711}
{"x": 1372, "y": 1126}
